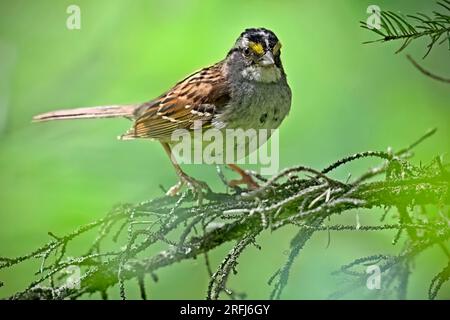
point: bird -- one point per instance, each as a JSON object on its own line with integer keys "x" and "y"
{"x": 248, "y": 89}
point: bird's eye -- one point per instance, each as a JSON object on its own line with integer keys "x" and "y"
{"x": 246, "y": 52}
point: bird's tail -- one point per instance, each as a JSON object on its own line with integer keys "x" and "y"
{"x": 88, "y": 113}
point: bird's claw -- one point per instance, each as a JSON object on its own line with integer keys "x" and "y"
{"x": 245, "y": 179}
{"x": 197, "y": 187}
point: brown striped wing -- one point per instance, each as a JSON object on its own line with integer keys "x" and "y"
{"x": 198, "y": 97}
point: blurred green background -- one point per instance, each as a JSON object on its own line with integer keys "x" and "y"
{"x": 347, "y": 97}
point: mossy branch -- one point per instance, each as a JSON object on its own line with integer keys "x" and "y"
{"x": 299, "y": 196}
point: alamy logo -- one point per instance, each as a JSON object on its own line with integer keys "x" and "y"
{"x": 374, "y": 280}
{"x": 225, "y": 146}
{"x": 73, "y": 21}
{"x": 73, "y": 280}
{"x": 374, "y": 20}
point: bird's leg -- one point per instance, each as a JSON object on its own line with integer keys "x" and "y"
{"x": 245, "y": 178}
{"x": 196, "y": 186}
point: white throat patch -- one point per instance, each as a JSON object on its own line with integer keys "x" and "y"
{"x": 262, "y": 74}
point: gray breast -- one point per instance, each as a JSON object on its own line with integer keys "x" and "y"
{"x": 256, "y": 105}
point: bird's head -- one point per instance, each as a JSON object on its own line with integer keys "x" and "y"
{"x": 259, "y": 49}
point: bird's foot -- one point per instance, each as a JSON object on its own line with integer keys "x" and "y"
{"x": 175, "y": 189}
{"x": 247, "y": 179}
{"x": 197, "y": 187}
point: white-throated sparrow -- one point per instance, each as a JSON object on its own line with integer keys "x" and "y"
{"x": 248, "y": 90}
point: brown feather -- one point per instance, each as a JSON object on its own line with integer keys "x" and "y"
{"x": 198, "y": 97}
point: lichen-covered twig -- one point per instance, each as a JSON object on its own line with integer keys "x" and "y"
{"x": 289, "y": 198}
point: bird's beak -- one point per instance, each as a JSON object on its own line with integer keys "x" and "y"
{"x": 267, "y": 59}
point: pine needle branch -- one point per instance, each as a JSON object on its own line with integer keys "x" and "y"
{"x": 408, "y": 28}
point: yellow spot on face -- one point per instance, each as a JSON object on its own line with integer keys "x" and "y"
{"x": 256, "y": 47}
